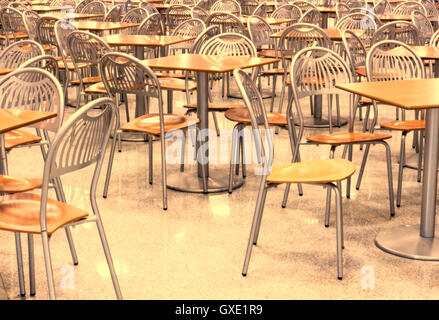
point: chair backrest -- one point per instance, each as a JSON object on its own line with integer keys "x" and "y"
{"x": 152, "y": 25}
{"x": 382, "y": 7}
{"x": 393, "y": 60}
{"x": 229, "y": 44}
{"x": 312, "y": 16}
{"x": 261, "y": 10}
{"x": 13, "y": 20}
{"x": 82, "y": 4}
{"x": 317, "y": 71}
{"x": 207, "y": 34}
{"x": 248, "y": 6}
{"x": 96, "y": 7}
{"x": 424, "y": 26}
{"x": 45, "y": 62}
{"x": 13, "y": 56}
{"x": 30, "y": 21}
{"x": 431, "y": 10}
{"x": 148, "y": 7}
{"x": 227, "y": 22}
{"x": 62, "y": 31}
{"x": 182, "y": 2}
{"x": 434, "y": 41}
{"x": 260, "y": 32}
{"x": 304, "y": 5}
{"x": 199, "y": 13}
{"x": 407, "y": 7}
{"x": 361, "y": 21}
{"x": 33, "y": 89}
{"x": 355, "y": 50}
{"x": 135, "y": 15}
{"x": 114, "y": 14}
{"x": 188, "y": 28}
{"x": 341, "y": 10}
{"x": 355, "y": 4}
{"x": 175, "y": 15}
{"x": 403, "y": 31}
{"x": 230, "y": 6}
{"x": 46, "y": 31}
{"x": 79, "y": 143}
{"x": 259, "y": 122}
{"x": 287, "y": 11}
{"x": 19, "y": 6}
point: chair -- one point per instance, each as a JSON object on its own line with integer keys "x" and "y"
{"x": 188, "y": 28}
{"x": 370, "y": 13}
{"x": 341, "y": 10}
{"x": 205, "y": 4}
{"x": 148, "y": 7}
{"x": 152, "y": 25}
{"x": 114, "y": 14}
{"x": 95, "y": 7}
{"x": 13, "y": 56}
{"x": 182, "y": 2}
{"x": 382, "y": 7}
{"x": 45, "y": 62}
{"x": 124, "y": 74}
{"x": 12, "y": 26}
{"x": 248, "y": 6}
{"x": 229, "y": 6}
{"x": 321, "y": 172}
{"x": 135, "y": 15}
{"x": 45, "y": 34}
{"x": 227, "y": 22}
{"x": 175, "y": 15}
{"x": 312, "y": 16}
{"x": 430, "y": 9}
{"x": 19, "y": 6}
{"x": 405, "y": 65}
{"x": 359, "y": 21}
{"x": 30, "y": 20}
{"x": 434, "y": 41}
{"x": 82, "y": 4}
{"x": 261, "y": 10}
{"x": 199, "y": 13}
{"x": 402, "y": 31}
{"x": 287, "y": 11}
{"x": 304, "y": 5}
{"x": 85, "y": 48}
{"x": 424, "y": 27}
{"x": 355, "y": 4}
{"x": 79, "y": 132}
{"x": 407, "y": 7}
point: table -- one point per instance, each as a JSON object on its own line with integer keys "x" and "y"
{"x": 416, "y": 241}
{"x": 270, "y": 21}
{"x": 103, "y": 25}
{"x": 45, "y": 8}
{"x": 333, "y": 33}
{"x": 394, "y": 17}
{"x": 140, "y": 42}
{"x": 428, "y": 53}
{"x": 203, "y": 65}
{"x": 73, "y": 15}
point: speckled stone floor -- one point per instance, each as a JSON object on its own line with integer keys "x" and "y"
{"x": 195, "y": 249}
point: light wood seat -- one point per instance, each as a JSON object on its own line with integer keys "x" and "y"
{"x": 97, "y": 88}
{"x": 165, "y": 74}
{"x": 269, "y": 53}
{"x": 314, "y": 80}
{"x": 70, "y": 65}
{"x": 16, "y": 138}
{"x": 361, "y": 71}
{"x": 241, "y": 115}
{"x": 18, "y": 35}
{"x": 150, "y": 123}
{"x": 274, "y": 71}
{"x": 176, "y": 84}
{"x": 14, "y": 185}
{"x": 407, "y": 125}
{"x": 87, "y": 80}
{"x": 348, "y": 138}
{"x": 317, "y": 171}
{"x": 217, "y": 106}
{"x": 21, "y": 213}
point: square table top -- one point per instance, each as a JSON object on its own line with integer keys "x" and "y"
{"x": 333, "y": 33}
{"x": 144, "y": 40}
{"x": 270, "y": 21}
{"x": 11, "y": 119}
{"x": 103, "y": 25}
{"x": 73, "y": 15}
{"x": 406, "y": 94}
{"x": 45, "y": 8}
{"x": 206, "y": 63}
{"x": 426, "y": 52}
{"x": 394, "y": 17}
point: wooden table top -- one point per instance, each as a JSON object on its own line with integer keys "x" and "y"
{"x": 333, "y": 34}
{"x": 426, "y": 52}
{"x": 206, "y": 63}
{"x": 102, "y": 25}
{"x": 144, "y": 40}
{"x": 395, "y": 17}
{"x": 406, "y": 94}
{"x": 11, "y": 119}
{"x": 72, "y": 15}
{"x": 45, "y": 8}
{"x": 271, "y": 21}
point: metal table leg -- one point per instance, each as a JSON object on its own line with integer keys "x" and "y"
{"x": 418, "y": 241}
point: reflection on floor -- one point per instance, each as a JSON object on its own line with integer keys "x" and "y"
{"x": 195, "y": 249}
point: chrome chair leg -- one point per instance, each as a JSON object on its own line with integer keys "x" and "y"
{"x": 48, "y": 262}
{"x": 258, "y": 225}
{"x": 348, "y": 183}
{"x": 215, "y": 122}
{"x": 164, "y": 180}
{"x": 242, "y": 147}
{"x": 183, "y": 148}
{"x": 328, "y": 192}
{"x": 339, "y": 231}
{"x": 389, "y": 177}
{"x": 20, "y": 264}
{"x": 401, "y": 168}
{"x": 110, "y": 163}
{"x": 30, "y": 247}
{"x": 363, "y": 164}
{"x": 150, "y": 159}
{"x": 421, "y": 147}
{"x": 233, "y": 155}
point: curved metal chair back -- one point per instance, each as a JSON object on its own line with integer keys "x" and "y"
{"x": 30, "y": 21}
{"x": 114, "y": 14}
{"x": 33, "y": 89}
{"x": 431, "y": 10}
{"x": 229, "y": 44}
{"x": 341, "y": 10}
{"x": 207, "y": 34}
{"x": 82, "y": 4}
{"x": 62, "y": 30}
{"x": 260, "y": 32}
{"x": 403, "y": 31}
{"x": 199, "y": 13}
{"x": 177, "y": 14}
{"x": 45, "y": 62}
{"x": 182, "y": 2}
{"x": 188, "y": 28}
{"x": 152, "y": 25}
{"x": 361, "y": 21}
{"x": 304, "y": 5}
{"x": 312, "y": 16}
{"x": 434, "y": 41}
{"x": 148, "y": 7}
{"x": 259, "y": 121}
{"x": 424, "y": 26}
{"x": 261, "y": 10}
{"x": 382, "y": 7}
{"x": 407, "y": 7}
{"x": 17, "y": 53}
{"x": 12, "y": 21}
{"x": 227, "y": 22}
{"x": 393, "y": 60}
{"x": 287, "y": 11}
{"x": 355, "y": 50}
{"x": 135, "y": 15}
{"x": 280, "y": 3}
{"x": 46, "y": 31}
{"x": 95, "y": 7}
{"x": 370, "y": 13}
{"x": 205, "y": 4}
{"x": 230, "y": 6}
{"x": 355, "y": 4}
{"x": 316, "y": 71}
{"x": 19, "y": 6}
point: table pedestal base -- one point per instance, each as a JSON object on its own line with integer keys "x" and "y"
{"x": 312, "y": 122}
{"x": 218, "y": 181}
{"x": 406, "y": 242}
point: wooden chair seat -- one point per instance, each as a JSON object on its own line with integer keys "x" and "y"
{"x": 150, "y": 123}
{"x": 97, "y": 88}
{"x": 269, "y": 53}
{"x": 14, "y": 185}
{"x": 348, "y": 138}
{"x": 241, "y": 115}
{"x": 315, "y": 80}
{"x": 317, "y": 171}
{"x": 274, "y": 71}
{"x": 165, "y": 74}
{"x": 20, "y": 212}
{"x": 87, "y": 80}
{"x": 365, "y": 101}
{"x": 217, "y": 106}
{"x": 361, "y": 71}
{"x": 16, "y": 138}
{"x": 18, "y": 35}
{"x": 70, "y": 65}
{"x": 176, "y": 84}
{"x": 407, "y": 125}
